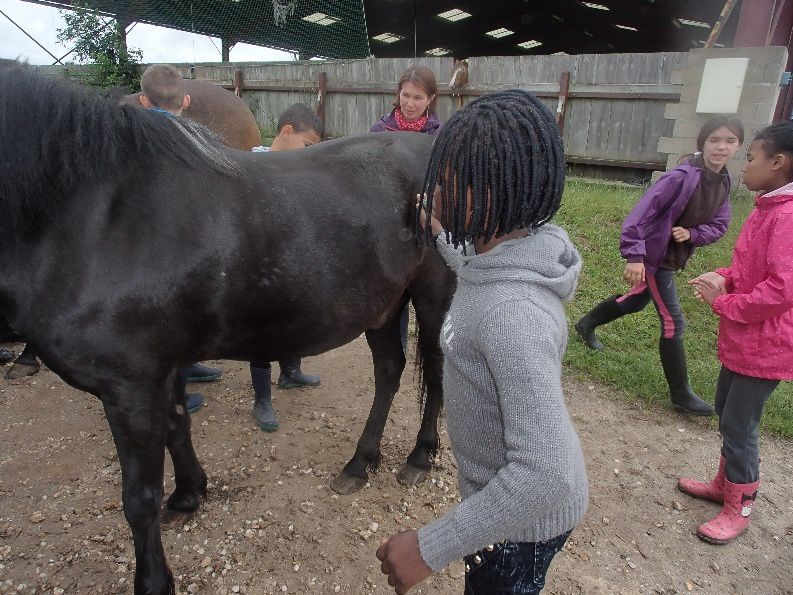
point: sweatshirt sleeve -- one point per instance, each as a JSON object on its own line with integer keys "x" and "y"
{"x": 707, "y": 233}
{"x": 523, "y": 347}
{"x": 453, "y": 256}
{"x": 774, "y": 295}
{"x": 659, "y": 197}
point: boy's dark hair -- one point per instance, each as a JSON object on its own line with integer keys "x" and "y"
{"x": 777, "y": 138}
{"x": 424, "y": 78}
{"x": 164, "y": 86}
{"x": 507, "y": 149}
{"x": 732, "y": 123}
{"x": 302, "y": 118}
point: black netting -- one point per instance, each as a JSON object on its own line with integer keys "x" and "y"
{"x": 310, "y": 28}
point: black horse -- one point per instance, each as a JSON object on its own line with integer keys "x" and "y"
{"x": 132, "y": 244}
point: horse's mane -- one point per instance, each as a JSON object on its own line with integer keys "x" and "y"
{"x": 57, "y": 138}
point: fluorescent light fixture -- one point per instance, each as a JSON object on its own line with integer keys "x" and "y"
{"x": 499, "y": 33}
{"x": 595, "y": 6}
{"x": 560, "y": 54}
{"x": 558, "y": 18}
{"x": 320, "y": 18}
{"x": 527, "y": 45}
{"x": 626, "y": 27}
{"x": 438, "y": 52}
{"x": 691, "y": 23}
{"x": 455, "y": 14}
{"x": 388, "y": 37}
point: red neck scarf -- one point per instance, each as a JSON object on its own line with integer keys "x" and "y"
{"x": 412, "y": 125}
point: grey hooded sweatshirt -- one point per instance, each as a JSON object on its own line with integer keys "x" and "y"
{"x": 520, "y": 466}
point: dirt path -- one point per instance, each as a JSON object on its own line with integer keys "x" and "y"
{"x": 272, "y": 525}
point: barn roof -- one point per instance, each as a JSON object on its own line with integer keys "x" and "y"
{"x": 460, "y": 28}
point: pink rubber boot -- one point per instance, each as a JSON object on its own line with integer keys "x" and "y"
{"x": 734, "y": 516}
{"x": 712, "y": 490}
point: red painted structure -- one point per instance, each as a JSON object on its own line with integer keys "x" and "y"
{"x": 763, "y": 23}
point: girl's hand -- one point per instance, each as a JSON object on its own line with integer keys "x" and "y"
{"x": 708, "y": 286}
{"x": 634, "y": 273}
{"x": 436, "y": 225}
{"x": 680, "y": 234}
{"x": 401, "y": 561}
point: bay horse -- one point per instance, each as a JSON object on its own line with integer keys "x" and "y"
{"x": 223, "y": 113}
{"x": 220, "y": 110}
{"x": 132, "y": 244}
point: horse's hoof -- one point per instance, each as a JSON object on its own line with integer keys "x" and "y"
{"x": 411, "y": 476}
{"x": 347, "y": 484}
{"x": 22, "y": 370}
{"x": 173, "y": 519}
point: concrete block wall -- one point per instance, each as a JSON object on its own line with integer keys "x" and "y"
{"x": 755, "y": 110}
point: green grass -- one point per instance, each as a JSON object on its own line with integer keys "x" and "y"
{"x": 592, "y": 213}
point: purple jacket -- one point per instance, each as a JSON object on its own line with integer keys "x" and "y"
{"x": 647, "y": 230}
{"x": 388, "y": 124}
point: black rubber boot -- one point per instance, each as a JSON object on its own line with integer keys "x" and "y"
{"x": 673, "y": 360}
{"x": 194, "y": 402}
{"x": 5, "y": 356}
{"x": 604, "y": 312}
{"x": 292, "y": 376}
{"x": 199, "y": 373}
{"x": 263, "y": 410}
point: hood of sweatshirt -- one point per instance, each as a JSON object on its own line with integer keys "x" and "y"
{"x": 546, "y": 258}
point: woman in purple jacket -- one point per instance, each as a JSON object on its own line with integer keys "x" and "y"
{"x": 414, "y": 111}
{"x": 414, "y": 106}
{"x": 687, "y": 207}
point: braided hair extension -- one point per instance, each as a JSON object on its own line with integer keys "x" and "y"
{"x": 504, "y": 149}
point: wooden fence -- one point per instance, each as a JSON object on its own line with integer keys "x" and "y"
{"x": 611, "y": 105}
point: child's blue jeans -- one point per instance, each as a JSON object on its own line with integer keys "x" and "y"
{"x": 511, "y": 568}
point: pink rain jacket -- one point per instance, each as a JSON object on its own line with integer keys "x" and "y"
{"x": 756, "y": 327}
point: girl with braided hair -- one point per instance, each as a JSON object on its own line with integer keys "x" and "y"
{"x": 494, "y": 181}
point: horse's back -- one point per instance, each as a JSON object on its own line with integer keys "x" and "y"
{"x": 221, "y": 111}
{"x": 224, "y": 113}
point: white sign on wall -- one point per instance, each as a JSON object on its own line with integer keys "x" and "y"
{"x": 722, "y": 83}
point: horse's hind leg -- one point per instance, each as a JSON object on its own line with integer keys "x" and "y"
{"x": 191, "y": 481}
{"x": 26, "y": 364}
{"x": 137, "y": 420}
{"x": 431, "y": 293}
{"x": 389, "y": 362}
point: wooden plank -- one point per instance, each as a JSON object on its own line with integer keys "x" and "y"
{"x": 616, "y": 162}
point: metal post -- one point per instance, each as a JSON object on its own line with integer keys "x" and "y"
{"x": 239, "y": 83}
{"x": 717, "y": 28}
{"x": 564, "y": 93}
{"x": 323, "y": 89}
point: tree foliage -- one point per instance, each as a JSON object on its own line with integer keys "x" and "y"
{"x": 96, "y": 39}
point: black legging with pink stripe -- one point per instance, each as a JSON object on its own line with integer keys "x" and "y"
{"x": 661, "y": 289}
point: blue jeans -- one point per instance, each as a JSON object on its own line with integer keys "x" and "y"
{"x": 510, "y": 567}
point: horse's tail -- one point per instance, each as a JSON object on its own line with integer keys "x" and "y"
{"x": 418, "y": 367}
{"x": 431, "y": 293}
